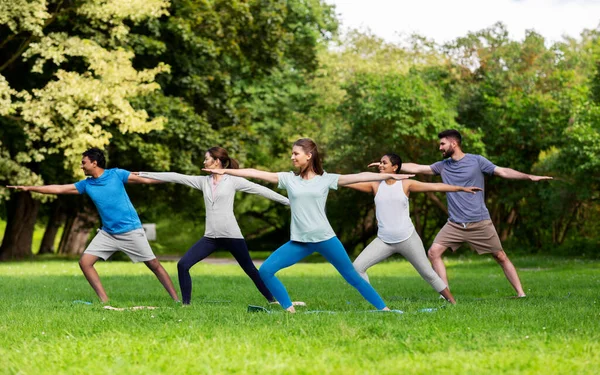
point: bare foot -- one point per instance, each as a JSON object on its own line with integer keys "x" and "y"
{"x": 291, "y": 309}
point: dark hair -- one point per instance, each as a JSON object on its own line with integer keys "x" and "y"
{"x": 451, "y": 133}
{"x": 315, "y": 162}
{"x": 221, "y": 154}
{"x": 96, "y": 155}
{"x": 395, "y": 160}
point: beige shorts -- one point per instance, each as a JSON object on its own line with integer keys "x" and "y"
{"x": 133, "y": 243}
{"x": 481, "y": 236}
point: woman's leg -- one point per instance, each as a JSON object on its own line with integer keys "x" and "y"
{"x": 287, "y": 255}
{"x": 371, "y": 255}
{"x": 200, "y": 250}
{"x": 334, "y": 252}
{"x": 412, "y": 249}
{"x": 239, "y": 249}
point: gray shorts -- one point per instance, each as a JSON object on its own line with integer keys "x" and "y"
{"x": 133, "y": 243}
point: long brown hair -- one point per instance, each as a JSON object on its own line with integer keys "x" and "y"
{"x": 221, "y": 154}
{"x": 315, "y": 162}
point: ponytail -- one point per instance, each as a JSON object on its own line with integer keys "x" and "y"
{"x": 222, "y": 154}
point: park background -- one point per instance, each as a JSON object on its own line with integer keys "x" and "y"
{"x": 155, "y": 83}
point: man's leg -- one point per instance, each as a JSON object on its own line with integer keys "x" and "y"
{"x": 435, "y": 257}
{"x": 510, "y": 271}
{"x": 86, "y": 263}
{"x": 162, "y": 276}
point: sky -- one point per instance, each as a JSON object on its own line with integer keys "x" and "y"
{"x": 445, "y": 20}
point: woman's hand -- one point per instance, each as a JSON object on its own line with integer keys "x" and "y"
{"x": 471, "y": 189}
{"x": 401, "y": 176}
{"x": 214, "y": 171}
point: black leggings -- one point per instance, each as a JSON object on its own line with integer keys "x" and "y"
{"x": 206, "y": 246}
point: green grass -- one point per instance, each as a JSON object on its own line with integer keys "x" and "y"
{"x": 554, "y": 330}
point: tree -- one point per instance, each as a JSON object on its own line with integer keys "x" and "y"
{"x": 65, "y": 78}
{"x": 519, "y": 95}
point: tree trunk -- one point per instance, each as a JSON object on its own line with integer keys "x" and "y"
{"x": 77, "y": 230}
{"x": 437, "y": 201}
{"x": 22, "y": 212}
{"x": 56, "y": 220}
{"x": 509, "y": 224}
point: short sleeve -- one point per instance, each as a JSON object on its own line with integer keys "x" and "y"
{"x": 486, "y": 166}
{"x": 80, "y": 186}
{"x": 332, "y": 180}
{"x": 122, "y": 174}
{"x": 284, "y": 179}
{"x": 438, "y": 167}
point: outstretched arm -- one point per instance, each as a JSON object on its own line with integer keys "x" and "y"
{"x": 247, "y": 173}
{"x": 135, "y": 178}
{"x": 416, "y": 168}
{"x": 365, "y": 187}
{"x": 48, "y": 189}
{"x": 421, "y": 187}
{"x": 246, "y": 186}
{"x": 512, "y": 174}
{"x": 178, "y": 178}
{"x": 347, "y": 179}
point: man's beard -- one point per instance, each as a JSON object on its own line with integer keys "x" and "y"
{"x": 449, "y": 153}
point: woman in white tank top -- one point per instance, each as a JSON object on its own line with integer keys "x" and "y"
{"x": 396, "y": 233}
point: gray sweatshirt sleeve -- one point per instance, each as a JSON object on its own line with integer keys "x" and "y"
{"x": 178, "y": 178}
{"x": 241, "y": 184}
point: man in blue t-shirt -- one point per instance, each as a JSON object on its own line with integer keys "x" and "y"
{"x": 121, "y": 227}
{"x": 469, "y": 220}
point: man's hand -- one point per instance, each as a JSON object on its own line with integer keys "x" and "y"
{"x": 539, "y": 178}
{"x": 20, "y": 188}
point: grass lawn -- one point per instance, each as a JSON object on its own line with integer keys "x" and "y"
{"x": 555, "y": 330}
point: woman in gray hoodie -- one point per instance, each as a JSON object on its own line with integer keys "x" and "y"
{"x": 222, "y": 230}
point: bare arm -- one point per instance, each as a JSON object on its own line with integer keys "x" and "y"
{"x": 365, "y": 187}
{"x": 247, "y": 173}
{"x": 347, "y": 179}
{"x": 48, "y": 189}
{"x": 421, "y": 187}
{"x": 512, "y": 174}
{"x": 135, "y": 178}
{"x": 416, "y": 168}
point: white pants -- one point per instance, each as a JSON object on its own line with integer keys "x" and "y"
{"x": 412, "y": 249}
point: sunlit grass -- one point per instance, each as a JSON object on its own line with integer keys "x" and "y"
{"x": 554, "y": 330}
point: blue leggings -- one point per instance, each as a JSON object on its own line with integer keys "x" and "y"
{"x": 333, "y": 250}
